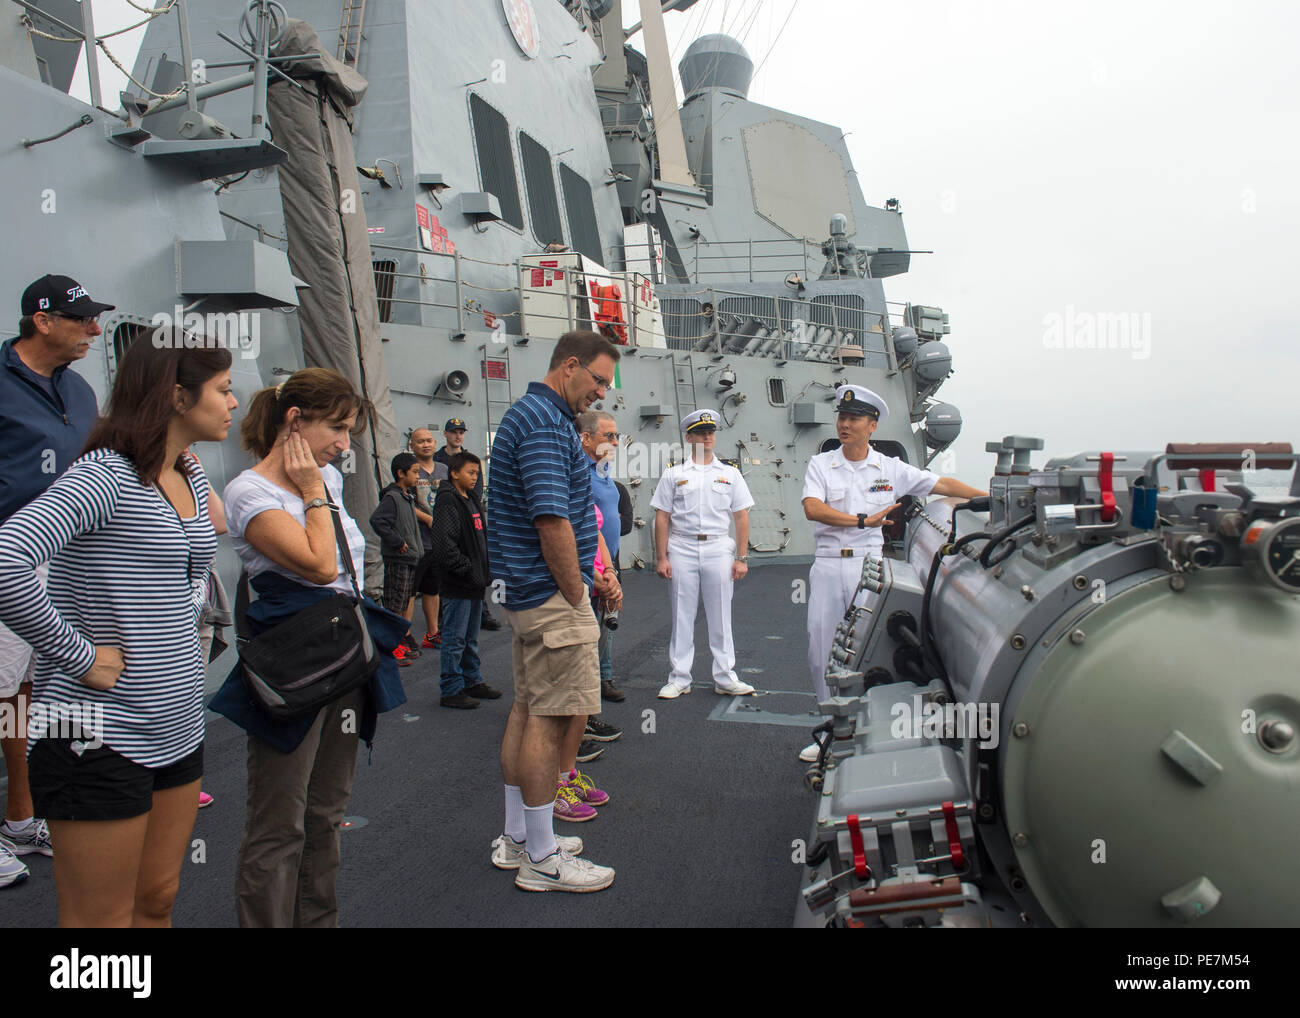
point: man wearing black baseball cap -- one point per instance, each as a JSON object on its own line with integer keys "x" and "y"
{"x": 454, "y": 433}
{"x": 46, "y": 413}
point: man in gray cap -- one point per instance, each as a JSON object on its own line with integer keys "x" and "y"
{"x": 847, "y": 493}
{"x": 695, "y": 503}
{"x": 46, "y": 413}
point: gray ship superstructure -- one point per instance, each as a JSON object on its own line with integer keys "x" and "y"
{"x": 754, "y": 286}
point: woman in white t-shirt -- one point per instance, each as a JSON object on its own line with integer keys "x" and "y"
{"x": 299, "y": 771}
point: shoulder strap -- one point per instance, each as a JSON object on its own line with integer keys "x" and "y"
{"x": 242, "y": 597}
{"x": 344, "y": 550}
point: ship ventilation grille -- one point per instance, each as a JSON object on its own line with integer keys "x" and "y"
{"x": 539, "y": 182}
{"x": 684, "y": 323}
{"x": 845, "y": 311}
{"x": 750, "y": 306}
{"x": 385, "y": 279}
{"x": 776, "y": 391}
{"x": 123, "y": 336}
{"x": 582, "y": 214}
{"x": 496, "y": 161}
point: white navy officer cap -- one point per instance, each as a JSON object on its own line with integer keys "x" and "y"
{"x": 700, "y": 422}
{"x": 858, "y": 399}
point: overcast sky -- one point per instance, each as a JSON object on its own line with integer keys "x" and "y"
{"x": 1064, "y": 163}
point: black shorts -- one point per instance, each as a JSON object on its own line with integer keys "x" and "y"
{"x": 100, "y": 784}
{"x": 426, "y": 576}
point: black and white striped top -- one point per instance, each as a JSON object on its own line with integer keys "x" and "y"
{"x": 124, "y": 572}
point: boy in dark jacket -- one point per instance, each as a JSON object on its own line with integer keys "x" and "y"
{"x": 460, "y": 550}
{"x": 395, "y": 524}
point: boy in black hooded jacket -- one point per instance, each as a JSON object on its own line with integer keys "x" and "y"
{"x": 460, "y": 551}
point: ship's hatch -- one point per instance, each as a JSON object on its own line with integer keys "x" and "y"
{"x": 769, "y": 527}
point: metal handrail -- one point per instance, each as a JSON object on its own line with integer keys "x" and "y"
{"x": 691, "y": 257}
{"x": 772, "y": 322}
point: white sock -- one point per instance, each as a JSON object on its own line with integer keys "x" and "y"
{"x": 18, "y": 826}
{"x": 515, "y": 814}
{"x": 540, "y": 824}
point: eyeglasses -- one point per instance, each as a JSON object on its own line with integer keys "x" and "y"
{"x": 611, "y": 435}
{"x": 603, "y": 383}
{"x": 83, "y": 320}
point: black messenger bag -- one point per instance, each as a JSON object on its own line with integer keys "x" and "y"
{"x": 314, "y": 657}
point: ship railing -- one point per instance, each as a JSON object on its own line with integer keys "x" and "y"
{"x": 830, "y": 328}
{"x": 468, "y": 302}
{"x": 754, "y": 258}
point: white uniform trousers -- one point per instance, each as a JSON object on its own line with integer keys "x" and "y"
{"x": 701, "y": 570}
{"x": 831, "y": 584}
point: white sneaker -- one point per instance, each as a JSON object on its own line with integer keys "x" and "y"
{"x": 809, "y": 754}
{"x": 561, "y": 871}
{"x": 12, "y": 869}
{"x": 36, "y": 838}
{"x": 672, "y": 691}
{"x": 506, "y": 852}
{"x": 737, "y": 688}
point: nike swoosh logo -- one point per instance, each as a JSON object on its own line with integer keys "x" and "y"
{"x": 543, "y": 873}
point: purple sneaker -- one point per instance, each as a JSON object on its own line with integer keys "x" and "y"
{"x": 585, "y": 789}
{"x": 569, "y": 807}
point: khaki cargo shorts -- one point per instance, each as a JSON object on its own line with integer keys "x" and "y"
{"x": 555, "y": 657}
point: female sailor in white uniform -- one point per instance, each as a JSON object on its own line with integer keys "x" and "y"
{"x": 847, "y": 494}
{"x": 695, "y": 503}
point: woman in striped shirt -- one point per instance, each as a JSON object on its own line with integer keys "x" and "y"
{"x": 116, "y": 732}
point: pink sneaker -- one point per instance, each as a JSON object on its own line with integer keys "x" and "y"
{"x": 569, "y": 807}
{"x": 204, "y": 800}
{"x": 585, "y": 789}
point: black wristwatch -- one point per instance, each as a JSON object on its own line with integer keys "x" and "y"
{"x": 862, "y": 521}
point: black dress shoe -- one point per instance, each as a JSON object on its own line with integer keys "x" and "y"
{"x": 611, "y": 692}
{"x": 482, "y": 691}
{"x": 461, "y": 700}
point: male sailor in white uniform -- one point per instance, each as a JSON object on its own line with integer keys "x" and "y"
{"x": 695, "y": 503}
{"x": 847, "y": 494}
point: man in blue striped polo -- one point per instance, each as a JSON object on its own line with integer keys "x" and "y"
{"x": 542, "y": 546}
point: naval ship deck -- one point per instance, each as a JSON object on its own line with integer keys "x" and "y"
{"x": 700, "y": 822}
